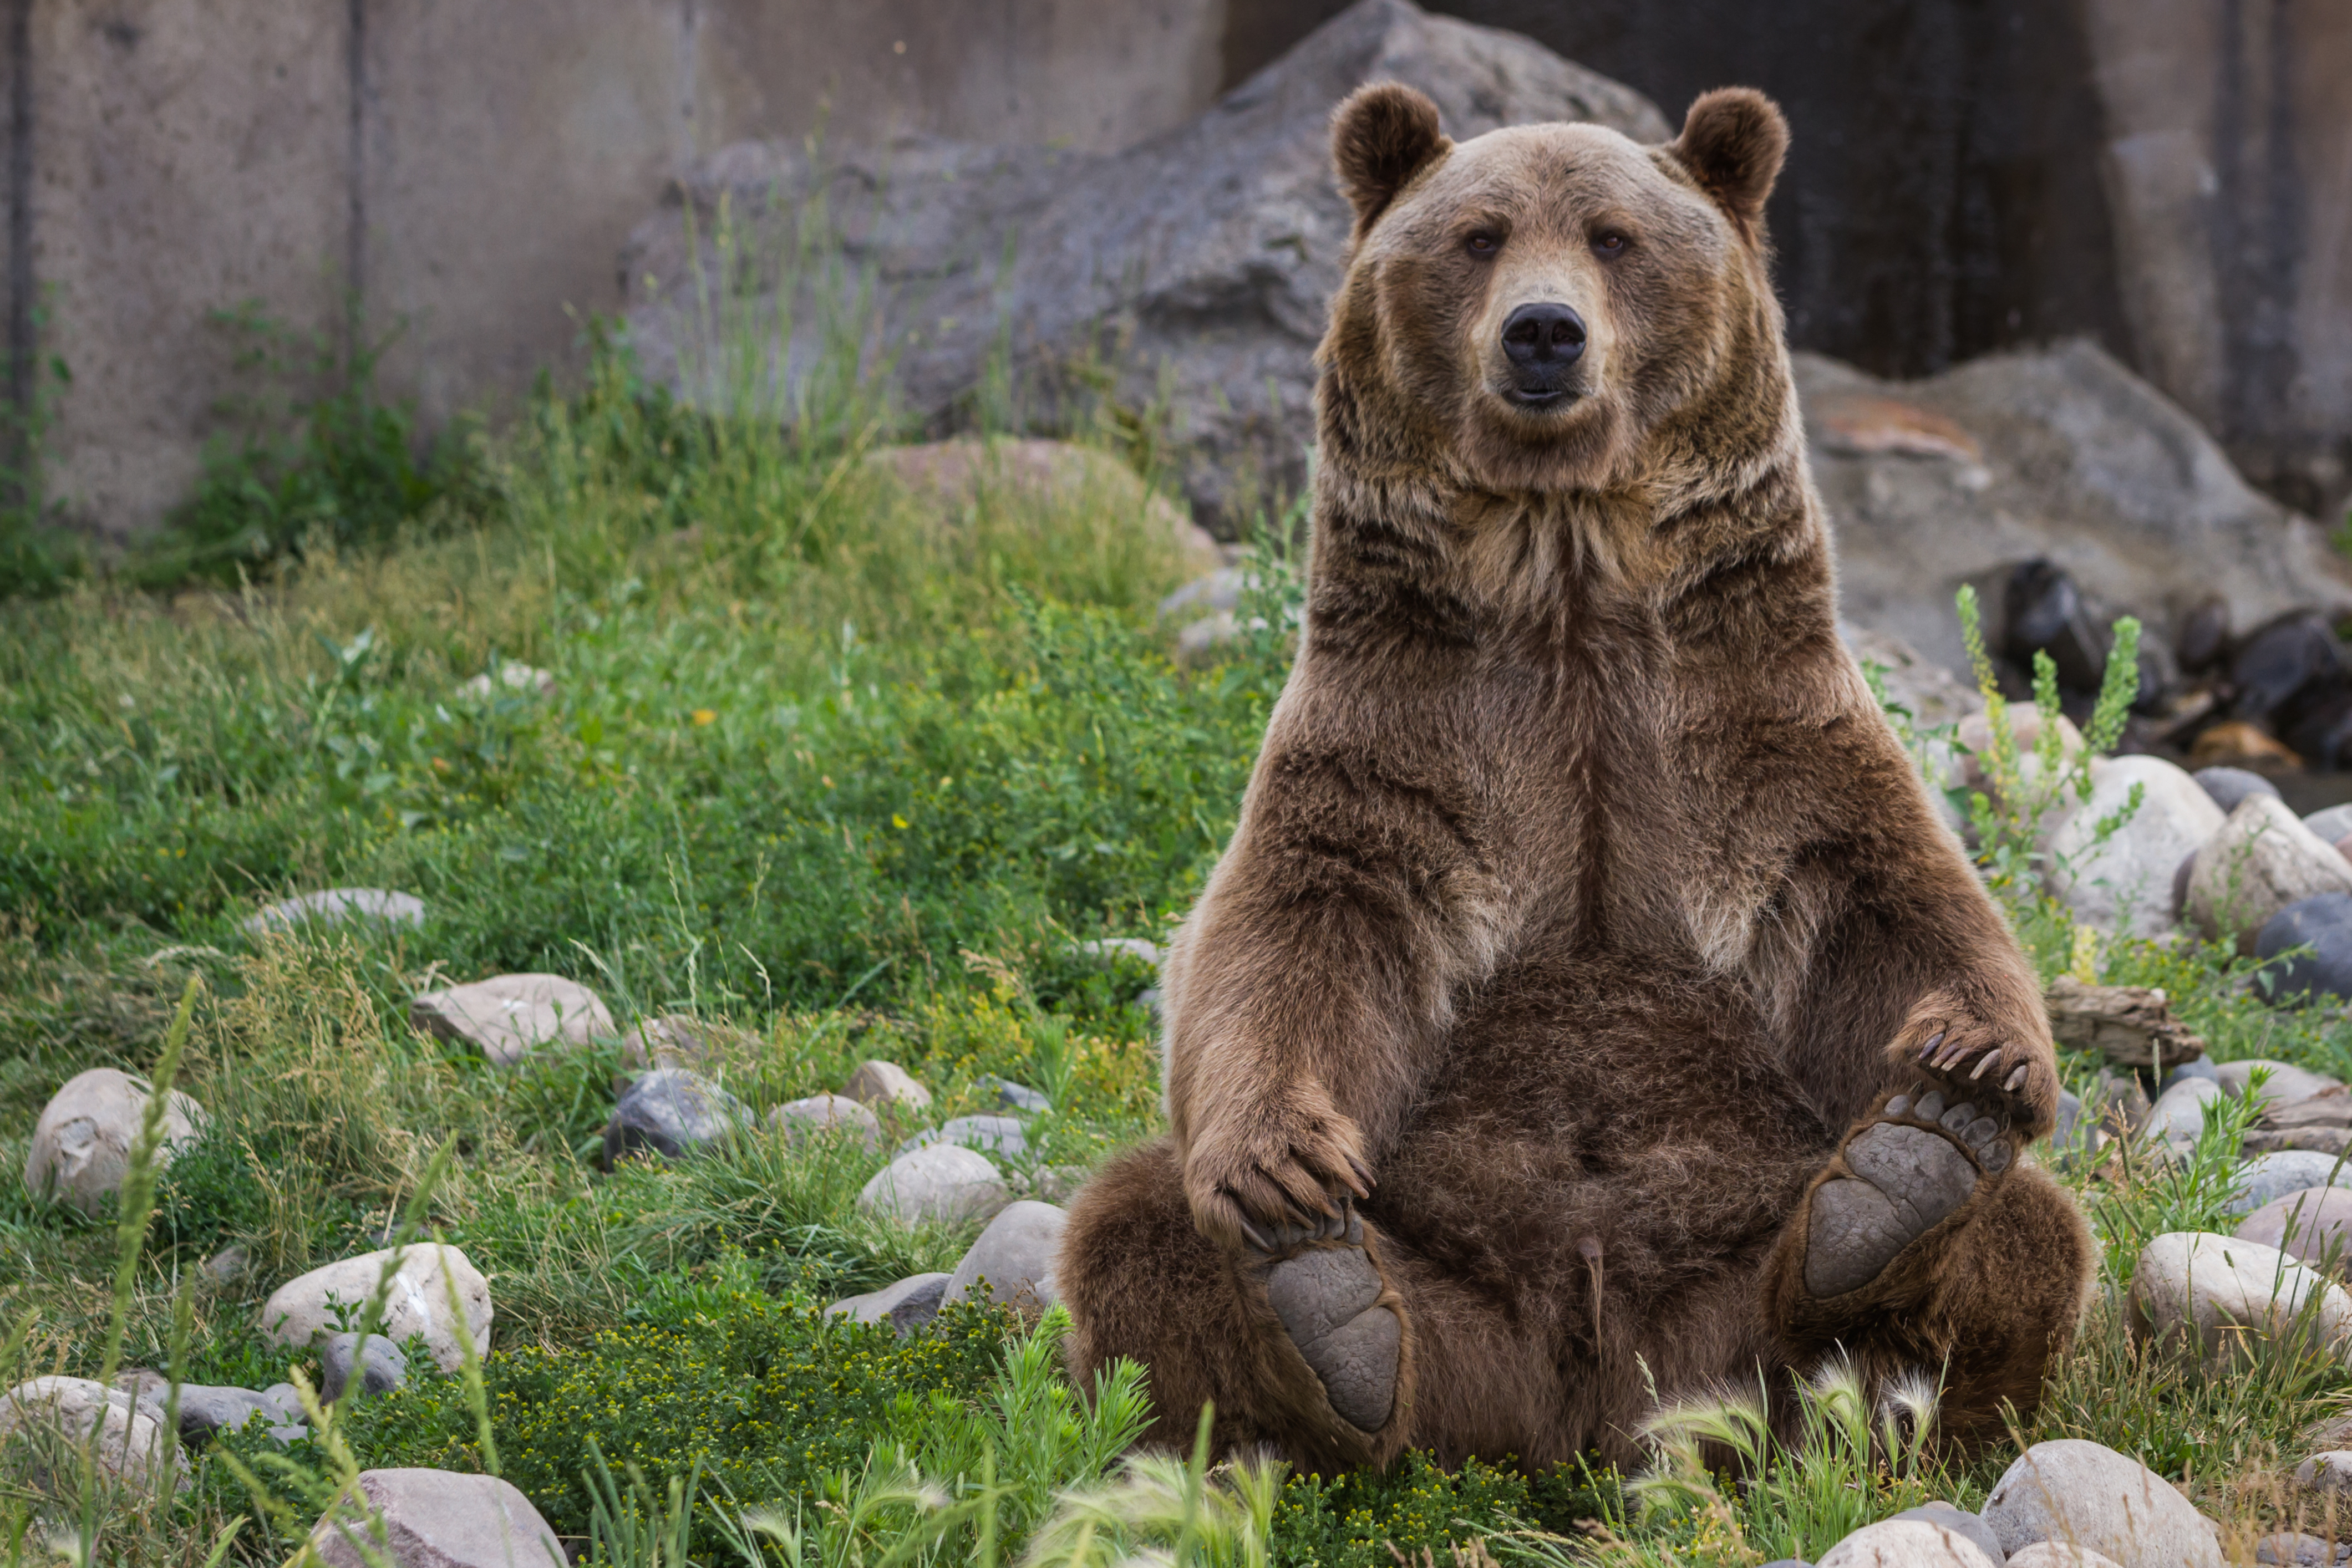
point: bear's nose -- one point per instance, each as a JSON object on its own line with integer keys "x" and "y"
{"x": 1548, "y": 334}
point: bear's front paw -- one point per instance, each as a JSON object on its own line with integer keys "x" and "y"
{"x": 2013, "y": 1079}
{"x": 1904, "y": 1173}
{"x": 1252, "y": 1172}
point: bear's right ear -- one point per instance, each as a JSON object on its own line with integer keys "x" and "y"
{"x": 1732, "y": 142}
{"x": 1381, "y": 136}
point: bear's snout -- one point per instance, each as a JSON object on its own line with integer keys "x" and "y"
{"x": 1542, "y": 342}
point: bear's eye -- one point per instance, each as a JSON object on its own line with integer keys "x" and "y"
{"x": 1609, "y": 241}
{"x": 1482, "y": 243}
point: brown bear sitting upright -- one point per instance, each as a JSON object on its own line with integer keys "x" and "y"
{"x": 1589, "y": 995}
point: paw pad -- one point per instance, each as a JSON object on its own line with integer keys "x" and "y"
{"x": 1905, "y": 1180}
{"x": 1328, "y": 1298}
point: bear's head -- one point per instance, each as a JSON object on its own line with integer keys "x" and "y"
{"x": 1532, "y": 309}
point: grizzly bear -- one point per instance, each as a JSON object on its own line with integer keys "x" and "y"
{"x": 1590, "y": 1008}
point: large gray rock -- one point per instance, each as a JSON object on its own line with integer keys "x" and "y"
{"x": 941, "y": 1182}
{"x": 2284, "y": 1084}
{"x": 2228, "y": 1301}
{"x": 2313, "y": 1227}
{"x": 827, "y": 1114}
{"x": 905, "y": 1306}
{"x": 1205, "y": 254}
{"x": 1015, "y": 1255}
{"x": 510, "y": 1014}
{"x": 2262, "y": 860}
{"x": 2058, "y": 454}
{"x": 1907, "y": 1542}
{"x": 671, "y": 1111}
{"x": 379, "y": 1365}
{"x": 436, "y": 1518}
{"x": 305, "y": 1310}
{"x": 81, "y": 1145}
{"x": 2084, "y": 1494}
{"x": 1951, "y": 1517}
{"x": 2124, "y": 885}
{"x": 989, "y": 1134}
{"x": 205, "y": 1410}
{"x": 337, "y": 905}
{"x": 886, "y": 1085}
{"x": 2178, "y": 1114}
{"x": 130, "y": 1443}
{"x": 2284, "y": 1171}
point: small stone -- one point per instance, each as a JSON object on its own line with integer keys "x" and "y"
{"x": 2230, "y": 786}
{"x": 2301, "y": 1551}
{"x": 1906, "y": 1542}
{"x": 671, "y": 1112}
{"x": 130, "y": 1443}
{"x": 942, "y": 1182}
{"x": 382, "y": 1367}
{"x": 1012, "y": 1097}
{"x": 992, "y": 1135}
{"x": 2324, "y": 926}
{"x": 303, "y": 1310}
{"x": 905, "y": 1306}
{"x": 337, "y": 905}
{"x": 437, "y": 1518}
{"x": 205, "y": 1411}
{"x": 2313, "y": 1227}
{"x": 2327, "y": 1472}
{"x": 81, "y": 1145}
{"x": 2124, "y": 885}
{"x": 2226, "y": 1300}
{"x": 879, "y": 1083}
{"x": 512, "y": 676}
{"x": 507, "y": 1016}
{"x": 2201, "y": 1068}
{"x": 2060, "y": 1554}
{"x": 2273, "y": 1175}
{"x": 2284, "y": 1082}
{"x": 827, "y": 1113}
{"x": 674, "y": 1041}
{"x": 2261, "y": 861}
{"x": 2069, "y": 1489}
{"x": 227, "y": 1265}
{"x": 1015, "y": 1256}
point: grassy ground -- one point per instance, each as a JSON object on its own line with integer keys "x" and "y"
{"x": 844, "y": 779}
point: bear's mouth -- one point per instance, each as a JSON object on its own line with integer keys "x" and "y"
{"x": 1538, "y": 398}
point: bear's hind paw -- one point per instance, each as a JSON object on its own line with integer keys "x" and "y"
{"x": 1327, "y": 1291}
{"x": 1909, "y": 1172}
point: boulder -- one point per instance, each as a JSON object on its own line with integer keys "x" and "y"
{"x": 1907, "y": 1542}
{"x": 380, "y": 1365}
{"x": 2226, "y": 1300}
{"x": 205, "y": 1410}
{"x": 2262, "y": 860}
{"x": 1010, "y": 1095}
{"x": 2273, "y": 1175}
{"x": 129, "y": 1446}
{"x": 885, "y": 1083}
{"x": 2284, "y": 1085}
{"x": 827, "y": 1113}
{"x": 671, "y": 1111}
{"x": 2086, "y": 1495}
{"x": 1960, "y": 1520}
{"x": 944, "y": 1182}
{"x": 2324, "y": 926}
{"x": 82, "y": 1144}
{"x": 303, "y": 1310}
{"x": 990, "y": 1134}
{"x": 1015, "y": 1256}
{"x": 948, "y": 479}
{"x": 905, "y": 1306}
{"x": 2179, "y": 1117}
{"x": 1050, "y": 255}
{"x": 436, "y": 1518}
{"x": 510, "y": 1014}
{"x": 2313, "y": 1225}
{"x": 337, "y": 905}
{"x": 2327, "y": 1472}
{"x": 2228, "y": 787}
{"x": 2124, "y": 885}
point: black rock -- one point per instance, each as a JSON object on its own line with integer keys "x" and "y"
{"x": 2324, "y": 924}
{"x": 2228, "y": 786}
{"x": 382, "y": 1367}
{"x": 2316, "y": 722}
{"x": 2043, "y": 610}
{"x": 2204, "y": 635}
{"x": 2279, "y": 658}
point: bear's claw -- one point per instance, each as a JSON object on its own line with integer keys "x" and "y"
{"x": 1326, "y": 1289}
{"x": 1910, "y": 1170}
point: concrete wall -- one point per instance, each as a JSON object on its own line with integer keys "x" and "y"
{"x": 467, "y": 168}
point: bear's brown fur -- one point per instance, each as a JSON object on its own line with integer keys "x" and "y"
{"x": 1583, "y": 908}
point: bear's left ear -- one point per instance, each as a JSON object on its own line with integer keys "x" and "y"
{"x": 1732, "y": 142}
{"x": 1381, "y": 136}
